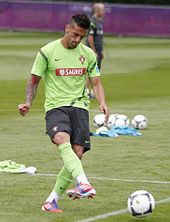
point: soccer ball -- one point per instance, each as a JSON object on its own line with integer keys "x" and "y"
{"x": 117, "y": 120}
{"x": 139, "y": 122}
{"x": 141, "y": 203}
{"x": 111, "y": 120}
{"x": 99, "y": 120}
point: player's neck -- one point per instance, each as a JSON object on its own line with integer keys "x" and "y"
{"x": 64, "y": 42}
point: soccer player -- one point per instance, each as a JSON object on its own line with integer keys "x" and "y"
{"x": 95, "y": 37}
{"x": 64, "y": 64}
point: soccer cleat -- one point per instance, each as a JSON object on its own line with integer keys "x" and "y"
{"x": 51, "y": 207}
{"x": 82, "y": 190}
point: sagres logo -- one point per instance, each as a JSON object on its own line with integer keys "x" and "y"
{"x": 70, "y": 71}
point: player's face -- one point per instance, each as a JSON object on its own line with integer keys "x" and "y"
{"x": 101, "y": 11}
{"x": 74, "y": 35}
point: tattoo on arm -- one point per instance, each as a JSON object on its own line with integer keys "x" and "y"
{"x": 31, "y": 89}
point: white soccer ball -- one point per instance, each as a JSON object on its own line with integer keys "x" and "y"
{"x": 111, "y": 120}
{"x": 99, "y": 120}
{"x": 141, "y": 203}
{"x": 117, "y": 120}
{"x": 139, "y": 122}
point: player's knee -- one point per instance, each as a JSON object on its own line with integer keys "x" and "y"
{"x": 61, "y": 137}
{"x": 79, "y": 151}
{"x": 79, "y": 154}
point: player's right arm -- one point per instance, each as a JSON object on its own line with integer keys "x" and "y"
{"x": 90, "y": 37}
{"x": 91, "y": 42}
{"x": 39, "y": 67}
{"x": 31, "y": 91}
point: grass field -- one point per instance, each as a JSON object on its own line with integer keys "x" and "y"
{"x": 136, "y": 77}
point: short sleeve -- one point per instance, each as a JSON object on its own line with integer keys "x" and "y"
{"x": 40, "y": 64}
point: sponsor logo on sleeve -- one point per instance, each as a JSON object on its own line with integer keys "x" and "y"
{"x": 70, "y": 71}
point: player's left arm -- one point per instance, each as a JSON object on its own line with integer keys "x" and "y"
{"x": 100, "y": 95}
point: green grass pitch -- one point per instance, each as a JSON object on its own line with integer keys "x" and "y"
{"x": 136, "y": 78}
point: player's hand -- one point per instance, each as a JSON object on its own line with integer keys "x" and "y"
{"x": 23, "y": 108}
{"x": 104, "y": 109}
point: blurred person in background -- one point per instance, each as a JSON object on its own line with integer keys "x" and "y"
{"x": 95, "y": 38}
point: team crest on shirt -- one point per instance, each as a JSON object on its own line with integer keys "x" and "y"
{"x": 82, "y": 59}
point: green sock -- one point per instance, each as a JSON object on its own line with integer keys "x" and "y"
{"x": 64, "y": 178}
{"x": 71, "y": 160}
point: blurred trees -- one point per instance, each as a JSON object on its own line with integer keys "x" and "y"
{"x": 149, "y": 2}
{"x": 141, "y": 2}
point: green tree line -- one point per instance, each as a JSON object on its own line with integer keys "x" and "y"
{"x": 143, "y": 2}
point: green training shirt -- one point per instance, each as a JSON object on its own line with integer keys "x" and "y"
{"x": 64, "y": 72}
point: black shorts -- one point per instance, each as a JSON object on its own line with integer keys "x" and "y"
{"x": 72, "y": 120}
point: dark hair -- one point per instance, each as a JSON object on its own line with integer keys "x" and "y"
{"x": 81, "y": 20}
